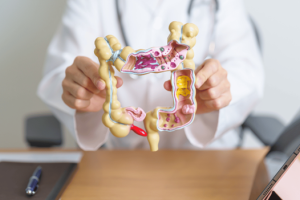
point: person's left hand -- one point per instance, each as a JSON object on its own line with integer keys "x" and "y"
{"x": 212, "y": 87}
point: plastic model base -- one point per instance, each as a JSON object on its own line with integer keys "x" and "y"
{"x": 176, "y": 56}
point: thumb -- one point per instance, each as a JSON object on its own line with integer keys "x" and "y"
{"x": 206, "y": 70}
{"x": 100, "y": 84}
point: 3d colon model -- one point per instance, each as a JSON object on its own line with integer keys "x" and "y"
{"x": 176, "y": 57}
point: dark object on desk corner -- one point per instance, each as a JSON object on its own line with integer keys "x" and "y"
{"x": 271, "y": 132}
{"x": 43, "y": 131}
{"x": 14, "y": 178}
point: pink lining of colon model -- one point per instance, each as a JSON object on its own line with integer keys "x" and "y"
{"x": 161, "y": 59}
{"x": 137, "y": 114}
{"x": 157, "y": 59}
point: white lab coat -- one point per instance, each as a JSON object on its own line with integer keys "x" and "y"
{"x": 146, "y": 25}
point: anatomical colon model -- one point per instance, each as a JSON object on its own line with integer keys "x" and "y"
{"x": 176, "y": 57}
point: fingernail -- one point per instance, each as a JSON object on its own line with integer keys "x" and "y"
{"x": 100, "y": 85}
{"x": 198, "y": 83}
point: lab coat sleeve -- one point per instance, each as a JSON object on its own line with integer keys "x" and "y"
{"x": 74, "y": 37}
{"x": 238, "y": 52}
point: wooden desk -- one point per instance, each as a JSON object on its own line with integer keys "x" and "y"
{"x": 139, "y": 175}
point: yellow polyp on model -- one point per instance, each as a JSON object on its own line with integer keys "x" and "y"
{"x": 183, "y": 92}
{"x": 182, "y": 84}
{"x": 182, "y": 81}
{"x": 110, "y": 53}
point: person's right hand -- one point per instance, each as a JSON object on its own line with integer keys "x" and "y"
{"x": 83, "y": 89}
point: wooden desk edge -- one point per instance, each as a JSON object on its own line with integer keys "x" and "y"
{"x": 261, "y": 178}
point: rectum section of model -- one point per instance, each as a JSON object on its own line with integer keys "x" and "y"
{"x": 157, "y": 59}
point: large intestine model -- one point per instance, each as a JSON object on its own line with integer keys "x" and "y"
{"x": 176, "y": 57}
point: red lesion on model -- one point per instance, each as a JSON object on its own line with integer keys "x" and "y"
{"x": 138, "y": 130}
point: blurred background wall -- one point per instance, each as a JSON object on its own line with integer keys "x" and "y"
{"x": 26, "y": 28}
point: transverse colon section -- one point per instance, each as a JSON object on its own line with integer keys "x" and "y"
{"x": 157, "y": 59}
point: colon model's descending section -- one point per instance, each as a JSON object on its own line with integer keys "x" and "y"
{"x": 182, "y": 114}
{"x": 157, "y": 59}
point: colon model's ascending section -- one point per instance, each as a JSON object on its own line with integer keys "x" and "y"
{"x": 176, "y": 57}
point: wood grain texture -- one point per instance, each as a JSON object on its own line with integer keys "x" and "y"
{"x": 212, "y": 175}
{"x": 261, "y": 180}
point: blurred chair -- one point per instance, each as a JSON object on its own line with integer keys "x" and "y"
{"x": 43, "y": 131}
{"x": 283, "y": 140}
{"x": 271, "y": 132}
{"x": 266, "y": 128}
{"x": 289, "y": 139}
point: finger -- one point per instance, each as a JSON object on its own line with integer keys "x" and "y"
{"x": 215, "y": 79}
{"x": 90, "y": 69}
{"x": 168, "y": 85}
{"x": 221, "y": 102}
{"x": 74, "y": 74}
{"x": 102, "y": 93}
{"x": 206, "y": 70}
{"x": 72, "y": 102}
{"x": 76, "y": 90}
{"x": 119, "y": 81}
{"x": 215, "y": 92}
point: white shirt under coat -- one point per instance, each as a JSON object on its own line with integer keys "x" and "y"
{"x": 146, "y": 25}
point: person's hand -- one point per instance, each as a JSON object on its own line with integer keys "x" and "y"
{"x": 212, "y": 87}
{"x": 83, "y": 89}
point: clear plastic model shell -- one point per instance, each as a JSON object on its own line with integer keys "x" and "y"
{"x": 176, "y": 56}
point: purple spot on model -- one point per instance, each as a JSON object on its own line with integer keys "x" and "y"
{"x": 168, "y": 119}
{"x": 173, "y": 65}
{"x": 168, "y": 115}
{"x": 177, "y": 120}
{"x": 165, "y": 125}
{"x": 172, "y": 125}
{"x": 156, "y": 53}
{"x": 146, "y": 61}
